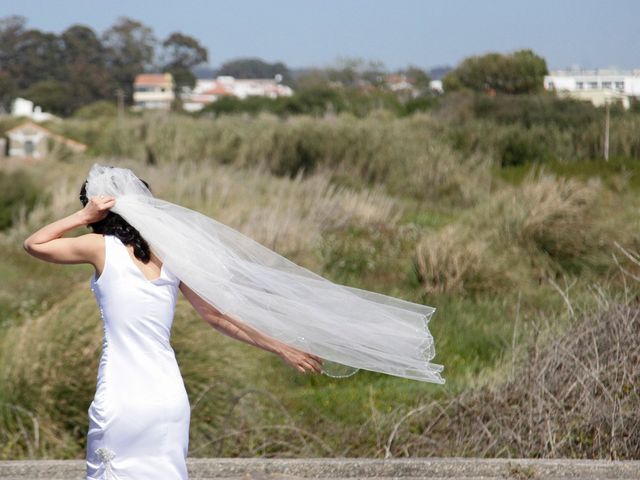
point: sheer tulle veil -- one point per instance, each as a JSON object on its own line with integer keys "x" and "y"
{"x": 349, "y": 328}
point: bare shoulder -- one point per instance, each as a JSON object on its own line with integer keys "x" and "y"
{"x": 90, "y": 248}
{"x": 92, "y": 237}
{"x": 90, "y": 241}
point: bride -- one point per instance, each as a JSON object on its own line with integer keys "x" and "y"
{"x": 144, "y": 250}
{"x": 139, "y": 417}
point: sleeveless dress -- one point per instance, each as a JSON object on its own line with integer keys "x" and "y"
{"x": 139, "y": 416}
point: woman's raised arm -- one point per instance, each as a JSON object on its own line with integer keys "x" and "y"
{"x": 47, "y": 244}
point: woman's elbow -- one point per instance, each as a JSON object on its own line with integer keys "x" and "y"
{"x": 33, "y": 249}
{"x": 210, "y": 317}
{"x": 28, "y": 245}
{"x": 216, "y": 321}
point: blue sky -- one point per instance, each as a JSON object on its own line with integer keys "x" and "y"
{"x": 425, "y": 33}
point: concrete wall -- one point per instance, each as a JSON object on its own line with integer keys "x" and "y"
{"x": 356, "y": 468}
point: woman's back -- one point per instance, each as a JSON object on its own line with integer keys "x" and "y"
{"x": 139, "y": 418}
{"x": 137, "y": 311}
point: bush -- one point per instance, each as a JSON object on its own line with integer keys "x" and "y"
{"x": 315, "y": 101}
{"x": 422, "y": 103}
{"x": 521, "y": 236}
{"x": 518, "y": 129}
{"x": 520, "y": 146}
{"x": 370, "y": 255}
{"x": 565, "y": 396}
{"x": 539, "y": 109}
{"x": 101, "y": 108}
{"x": 408, "y": 155}
{"x": 18, "y": 196}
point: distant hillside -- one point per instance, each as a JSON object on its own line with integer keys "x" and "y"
{"x": 205, "y": 71}
{"x": 437, "y": 73}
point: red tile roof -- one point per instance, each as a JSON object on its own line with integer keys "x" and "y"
{"x": 217, "y": 90}
{"x": 152, "y": 79}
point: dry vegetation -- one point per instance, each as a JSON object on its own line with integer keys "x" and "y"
{"x": 541, "y": 359}
{"x": 522, "y": 235}
{"x": 573, "y": 394}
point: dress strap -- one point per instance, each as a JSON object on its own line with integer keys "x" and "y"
{"x": 116, "y": 253}
{"x": 118, "y": 247}
{"x": 106, "y": 267}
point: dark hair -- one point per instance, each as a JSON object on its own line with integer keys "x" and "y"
{"x": 114, "y": 224}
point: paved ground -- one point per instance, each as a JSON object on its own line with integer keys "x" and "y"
{"x": 360, "y": 468}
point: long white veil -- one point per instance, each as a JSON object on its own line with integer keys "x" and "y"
{"x": 349, "y": 328}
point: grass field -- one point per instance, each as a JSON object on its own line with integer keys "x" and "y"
{"x": 509, "y": 255}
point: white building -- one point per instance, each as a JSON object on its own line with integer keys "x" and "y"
{"x": 153, "y": 91}
{"x": 400, "y": 83}
{"x": 210, "y": 90}
{"x": 436, "y": 86}
{"x": 21, "y": 107}
{"x": 30, "y": 140}
{"x": 598, "y": 86}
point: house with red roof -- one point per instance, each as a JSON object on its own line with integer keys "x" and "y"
{"x": 210, "y": 90}
{"x": 30, "y": 140}
{"x": 153, "y": 91}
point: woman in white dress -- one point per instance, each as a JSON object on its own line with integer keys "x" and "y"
{"x": 139, "y": 417}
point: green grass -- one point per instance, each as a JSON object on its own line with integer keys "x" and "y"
{"x": 617, "y": 173}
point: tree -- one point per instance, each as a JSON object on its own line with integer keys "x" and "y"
{"x": 78, "y": 67}
{"x": 35, "y": 56}
{"x": 82, "y": 45}
{"x": 8, "y": 91}
{"x": 129, "y": 50}
{"x": 85, "y": 62}
{"x": 51, "y": 95}
{"x": 11, "y": 30}
{"x": 420, "y": 78}
{"x": 88, "y": 83}
{"x": 255, "y": 68}
{"x": 312, "y": 78}
{"x": 353, "y": 71}
{"x": 181, "y": 54}
{"x": 520, "y": 72}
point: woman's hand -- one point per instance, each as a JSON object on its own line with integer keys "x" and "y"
{"x": 97, "y": 208}
{"x": 301, "y": 361}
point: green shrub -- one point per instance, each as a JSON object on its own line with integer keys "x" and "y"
{"x": 538, "y": 109}
{"x": 101, "y": 108}
{"x": 372, "y": 256}
{"x": 520, "y": 146}
{"x": 18, "y": 196}
{"x": 422, "y": 103}
{"x": 316, "y": 101}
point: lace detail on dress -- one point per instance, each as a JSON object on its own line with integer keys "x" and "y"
{"x": 106, "y": 456}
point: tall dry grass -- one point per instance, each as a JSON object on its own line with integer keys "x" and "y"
{"x": 523, "y": 235}
{"x": 408, "y": 156}
{"x": 572, "y": 394}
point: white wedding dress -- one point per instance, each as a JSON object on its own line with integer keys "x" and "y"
{"x": 139, "y": 417}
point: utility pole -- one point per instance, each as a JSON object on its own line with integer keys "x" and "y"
{"x": 606, "y": 130}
